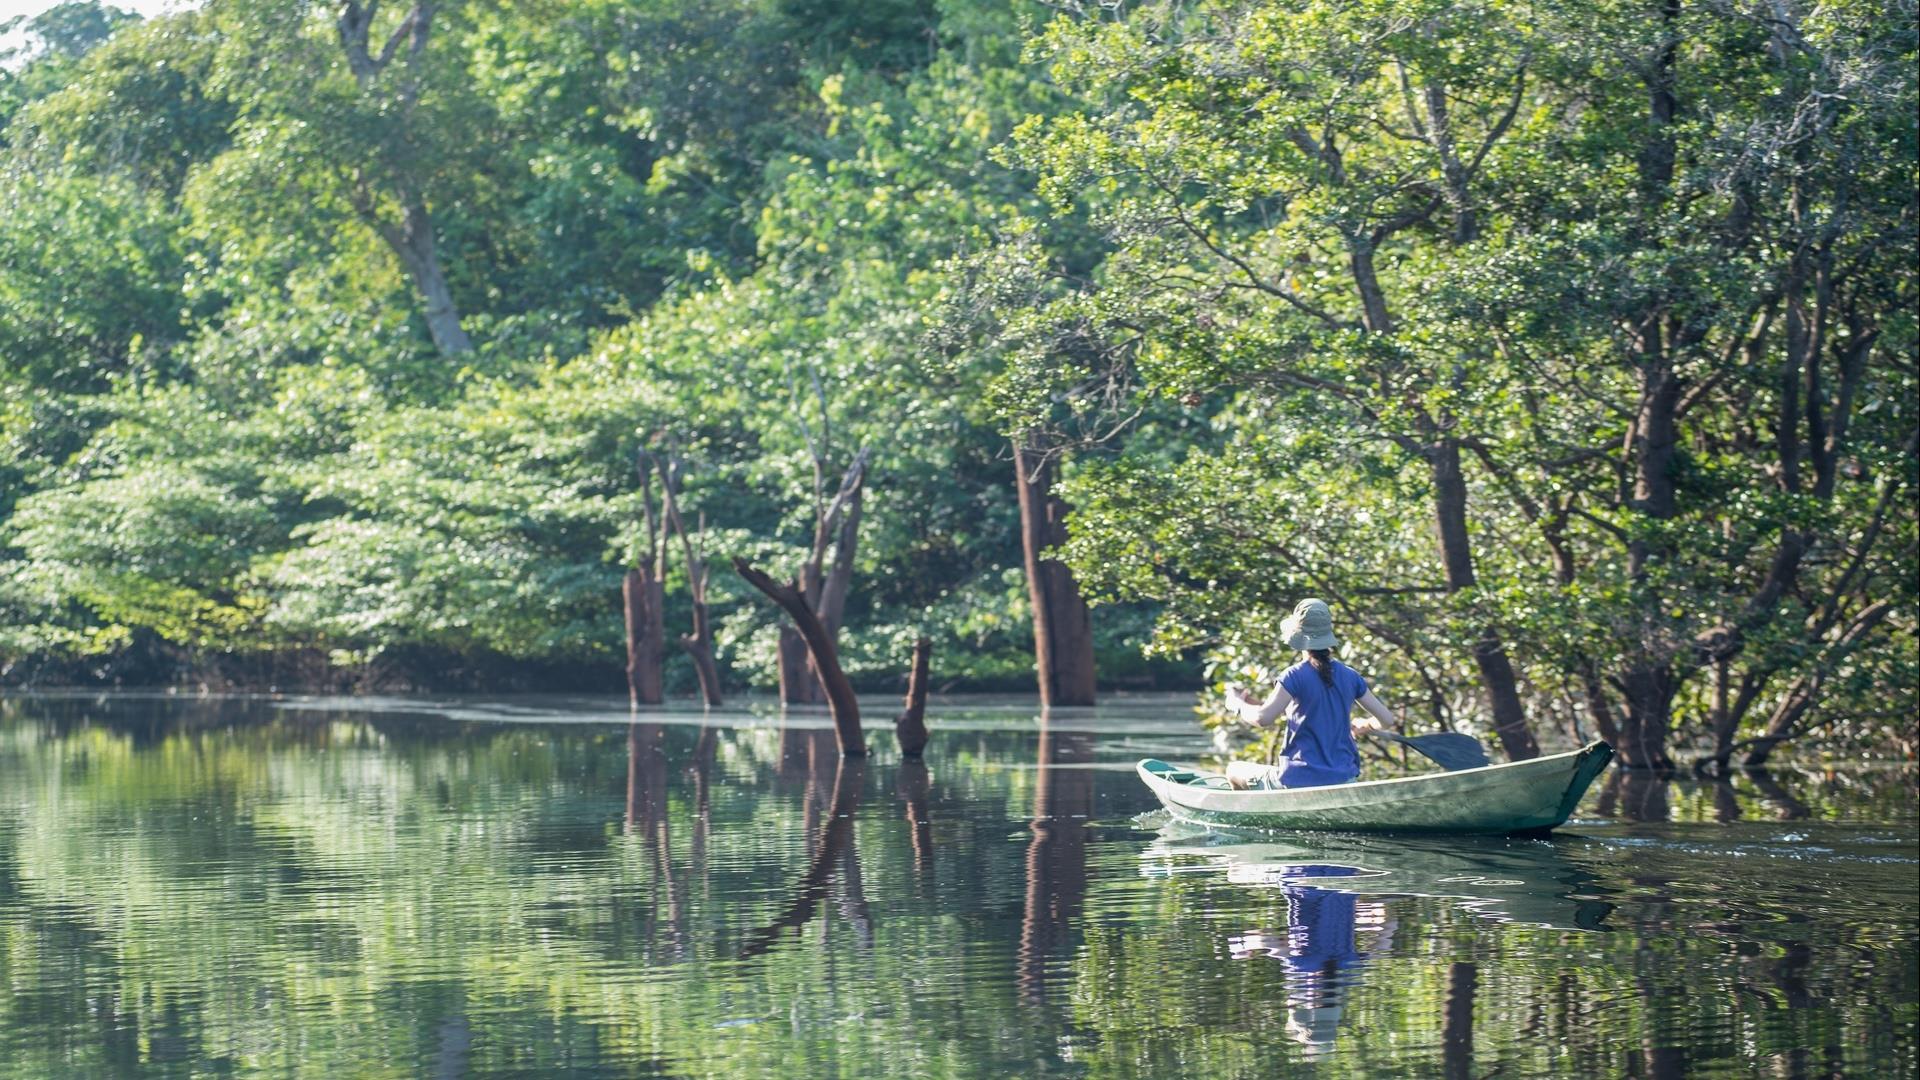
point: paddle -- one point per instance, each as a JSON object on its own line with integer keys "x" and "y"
{"x": 1450, "y": 749}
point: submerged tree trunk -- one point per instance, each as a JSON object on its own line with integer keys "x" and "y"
{"x": 1456, "y": 554}
{"x": 841, "y": 702}
{"x": 824, "y": 588}
{"x": 799, "y": 684}
{"x": 1062, "y": 629}
{"x": 643, "y": 599}
{"x": 699, "y": 644}
{"x": 643, "y": 596}
{"x": 910, "y": 727}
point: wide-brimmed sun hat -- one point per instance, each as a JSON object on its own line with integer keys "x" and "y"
{"x": 1310, "y": 626}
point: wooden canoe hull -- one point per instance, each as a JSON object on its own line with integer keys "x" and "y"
{"x": 1516, "y": 797}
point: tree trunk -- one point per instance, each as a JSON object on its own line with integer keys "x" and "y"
{"x": 413, "y": 243}
{"x": 824, "y": 589}
{"x": 838, "y": 579}
{"x": 412, "y": 238}
{"x": 799, "y": 683}
{"x": 644, "y": 600}
{"x": 910, "y": 727}
{"x": 1648, "y": 680}
{"x": 699, "y": 644}
{"x": 1062, "y": 630}
{"x": 1456, "y": 553}
{"x": 841, "y": 702}
{"x": 1643, "y": 738}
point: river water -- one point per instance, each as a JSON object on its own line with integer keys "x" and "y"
{"x": 375, "y": 887}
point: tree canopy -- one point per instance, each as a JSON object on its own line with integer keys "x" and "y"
{"x": 1567, "y": 349}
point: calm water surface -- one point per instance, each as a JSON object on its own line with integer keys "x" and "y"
{"x": 367, "y": 887}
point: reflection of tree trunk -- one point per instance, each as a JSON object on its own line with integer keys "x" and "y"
{"x": 1644, "y": 795}
{"x": 1062, "y": 630}
{"x": 702, "y": 769}
{"x": 853, "y": 897}
{"x": 1056, "y": 856}
{"x": 821, "y": 773}
{"x": 1790, "y": 808}
{"x": 1790, "y": 975}
{"x": 647, "y": 819}
{"x": 1726, "y": 805}
{"x": 913, "y": 783}
{"x": 836, "y": 842}
{"x": 794, "y": 747}
{"x": 1456, "y": 1037}
{"x": 456, "y": 1045}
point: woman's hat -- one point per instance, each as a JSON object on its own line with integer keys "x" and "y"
{"x": 1310, "y": 626}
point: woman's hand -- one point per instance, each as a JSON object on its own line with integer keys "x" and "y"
{"x": 1364, "y": 725}
{"x": 1240, "y": 706}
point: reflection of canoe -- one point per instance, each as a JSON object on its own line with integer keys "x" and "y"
{"x": 1503, "y": 880}
{"x": 1517, "y": 797}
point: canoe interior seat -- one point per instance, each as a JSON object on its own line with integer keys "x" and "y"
{"x": 1174, "y": 775}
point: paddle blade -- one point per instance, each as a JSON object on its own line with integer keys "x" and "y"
{"x": 1452, "y": 750}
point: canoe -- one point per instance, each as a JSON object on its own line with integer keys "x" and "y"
{"x": 1533, "y": 796}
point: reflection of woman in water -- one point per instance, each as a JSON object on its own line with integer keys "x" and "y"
{"x": 1317, "y": 696}
{"x": 1318, "y": 947}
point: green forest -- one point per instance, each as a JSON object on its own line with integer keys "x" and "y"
{"x": 1568, "y": 350}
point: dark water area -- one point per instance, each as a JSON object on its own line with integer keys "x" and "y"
{"x": 372, "y": 887}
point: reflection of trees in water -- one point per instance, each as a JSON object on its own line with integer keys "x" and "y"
{"x": 1057, "y": 854}
{"x": 308, "y": 880}
{"x": 1456, "y": 1020}
{"x": 647, "y": 818}
{"x": 1636, "y": 795}
{"x": 913, "y": 783}
{"x": 833, "y": 853}
{"x": 1646, "y": 796}
{"x": 1786, "y": 807}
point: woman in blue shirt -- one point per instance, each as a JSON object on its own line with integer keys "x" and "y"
{"x": 1317, "y": 696}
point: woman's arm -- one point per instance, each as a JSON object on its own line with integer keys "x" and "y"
{"x": 1257, "y": 713}
{"x": 1382, "y": 716}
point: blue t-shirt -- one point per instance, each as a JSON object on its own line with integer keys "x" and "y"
{"x": 1319, "y": 723}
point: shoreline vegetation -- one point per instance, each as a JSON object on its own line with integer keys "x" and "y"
{"x": 1568, "y": 352}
